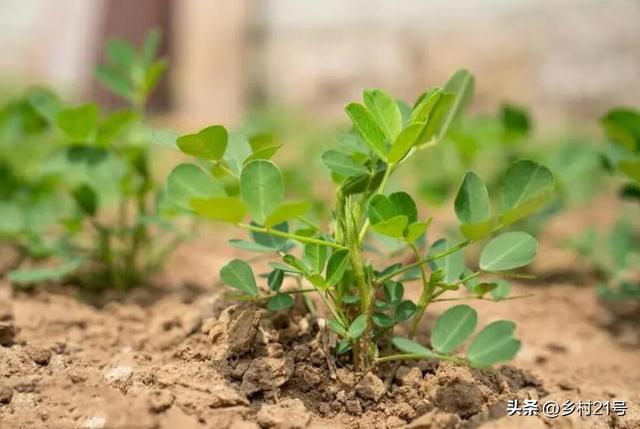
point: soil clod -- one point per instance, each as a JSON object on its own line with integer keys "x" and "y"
{"x": 288, "y": 414}
{"x": 265, "y": 374}
{"x": 371, "y": 387}
{"x": 39, "y": 355}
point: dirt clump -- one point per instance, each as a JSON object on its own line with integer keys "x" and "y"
{"x": 371, "y": 387}
{"x": 288, "y": 414}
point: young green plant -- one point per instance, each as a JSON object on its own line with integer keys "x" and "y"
{"x": 235, "y": 180}
{"x": 97, "y": 159}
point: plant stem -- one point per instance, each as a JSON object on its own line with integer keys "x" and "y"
{"x": 415, "y": 356}
{"x": 226, "y": 169}
{"x": 425, "y": 261}
{"x": 282, "y": 234}
{"x": 466, "y": 298}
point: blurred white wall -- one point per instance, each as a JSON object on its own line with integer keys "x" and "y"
{"x": 49, "y": 41}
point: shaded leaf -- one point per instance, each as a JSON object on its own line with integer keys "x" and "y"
{"x": 261, "y": 188}
{"x": 238, "y": 275}
{"x": 508, "y": 251}
{"x": 453, "y": 327}
{"x": 281, "y": 301}
{"x": 337, "y": 266}
{"x": 495, "y": 343}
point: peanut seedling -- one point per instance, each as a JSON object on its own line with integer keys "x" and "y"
{"x": 235, "y": 180}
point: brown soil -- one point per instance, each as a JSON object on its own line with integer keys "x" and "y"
{"x": 184, "y": 358}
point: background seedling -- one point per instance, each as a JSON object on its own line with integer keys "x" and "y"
{"x": 88, "y": 161}
{"x": 366, "y": 303}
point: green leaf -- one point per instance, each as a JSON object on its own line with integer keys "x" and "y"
{"x": 515, "y": 120}
{"x": 526, "y": 187}
{"x": 270, "y": 240}
{"x": 385, "y": 112}
{"x": 79, "y": 123}
{"x": 404, "y": 205}
{"x": 296, "y": 263}
{"x": 393, "y": 227}
{"x": 86, "y": 199}
{"x": 365, "y": 124}
{"x": 153, "y": 74}
{"x": 508, "y": 251}
{"x": 407, "y": 346}
{"x": 472, "y": 202}
{"x": 415, "y": 231}
{"x": 281, "y": 301}
{"x": 460, "y": 88}
{"x": 477, "y": 231}
{"x": 405, "y": 310}
{"x": 358, "y": 326}
{"x": 150, "y": 46}
{"x": 315, "y": 255}
{"x": 286, "y": 211}
{"x": 188, "y": 181}
{"x": 337, "y": 266}
{"x": 453, "y": 327}
{"x": 115, "y": 81}
{"x": 451, "y": 265}
{"x": 121, "y": 53}
{"x": 342, "y": 164}
{"x": 337, "y": 328}
{"x": 238, "y": 275}
{"x": 48, "y": 274}
{"x": 261, "y": 188}
{"x": 209, "y": 143}
{"x": 263, "y": 153}
{"x": 383, "y": 320}
{"x": 495, "y": 343}
{"x": 621, "y": 241}
{"x": 225, "y": 209}
{"x": 622, "y": 126}
{"x": 630, "y": 167}
{"x": 380, "y": 209}
{"x": 275, "y": 280}
{"x": 45, "y": 102}
{"x": 425, "y": 105}
{"x": 404, "y": 142}
{"x": 343, "y": 346}
{"x": 393, "y": 292}
{"x": 481, "y": 289}
{"x": 251, "y": 246}
{"x": 502, "y": 290}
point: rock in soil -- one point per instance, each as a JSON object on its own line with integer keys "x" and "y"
{"x": 160, "y": 400}
{"x": 288, "y": 414}
{"x": 371, "y": 387}
{"x": 39, "y": 355}
{"x": 5, "y": 395}
{"x": 7, "y": 333}
{"x": 435, "y": 420}
{"x": 266, "y": 374}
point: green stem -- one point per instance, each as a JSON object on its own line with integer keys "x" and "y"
{"x": 425, "y": 261}
{"x": 226, "y": 169}
{"x": 415, "y": 356}
{"x": 480, "y": 298}
{"x": 282, "y": 234}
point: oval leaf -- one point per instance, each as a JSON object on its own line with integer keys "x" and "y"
{"x": 453, "y": 327}
{"x": 238, "y": 275}
{"x": 495, "y": 343}
{"x": 187, "y": 181}
{"x": 342, "y": 164}
{"x": 286, "y": 211}
{"x": 358, "y": 326}
{"x": 472, "y": 202}
{"x": 404, "y": 142}
{"x": 364, "y": 122}
{"x": 385, "y": 112}
{"x": 209, "y": 143}
{"x": 337, "y": 266}
{"x": 508, "y": 251}
{"x": 525, "y": 188}
{"x": 281, "y": 301}
{"x": 261, "y": 188}
{"x": 275, "y": 280}
{"x": 225, "y": 209}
